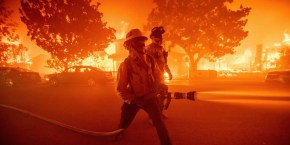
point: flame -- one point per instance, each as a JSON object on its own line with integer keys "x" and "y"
{"x": 123, "y": 28}
{"x": 16, "y": 43}
{"x": 90, "y": 61}
{"x": 103, "y": 62}
{"x": 111, "y": 49}
{"x": 166, "y": 77}
{"x": 17, "y": 59}
{"x": 277, "y": 44}
{"x": 286, "y": 39}
{"x": 244, "y": 58}
{"x": 272, "y": 57}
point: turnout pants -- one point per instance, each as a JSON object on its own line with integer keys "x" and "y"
{"x": 151, "y": 106}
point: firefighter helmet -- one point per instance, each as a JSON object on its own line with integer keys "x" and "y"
{"x": 157, "y": 32}
{"x": 134, "y": 33}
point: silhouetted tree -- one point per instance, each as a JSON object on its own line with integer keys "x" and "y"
{"x": 203, "y": 28}
{"x": 11, "y": 52}
{"x": 70, "y": 30}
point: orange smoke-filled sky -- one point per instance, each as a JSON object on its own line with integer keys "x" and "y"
{"x": 267, "y": 21}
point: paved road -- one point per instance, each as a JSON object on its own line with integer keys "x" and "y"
{"x": 225, "y": 113}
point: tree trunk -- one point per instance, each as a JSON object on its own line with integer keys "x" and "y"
{"x": 192, "y": 66}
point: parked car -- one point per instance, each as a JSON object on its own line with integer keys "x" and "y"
{"x": 16, "y": 76}
{"x": 278, "y": 76}
{"x": 86, "y": 75}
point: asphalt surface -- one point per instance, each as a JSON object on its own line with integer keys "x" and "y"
{"x": 224, "y": 113}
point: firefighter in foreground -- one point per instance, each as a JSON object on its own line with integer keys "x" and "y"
{"x": 138, "y": 82}
{"x": 156, "y": 50}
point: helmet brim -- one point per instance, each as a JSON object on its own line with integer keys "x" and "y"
{"x": 130, "y": 38}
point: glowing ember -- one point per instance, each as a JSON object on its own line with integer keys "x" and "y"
{"x": 286, "y": 39}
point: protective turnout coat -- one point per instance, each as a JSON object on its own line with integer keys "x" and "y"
{"x": 137, "y": 78}
{"x": 160, "y": 55}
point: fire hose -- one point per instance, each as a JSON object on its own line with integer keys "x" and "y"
{"x": 168, "y": 96}
{"x": 75, "y": 129}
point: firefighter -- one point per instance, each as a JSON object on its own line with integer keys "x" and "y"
{"x": 156, "y": 50}
{"x": 138, "y": 84}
